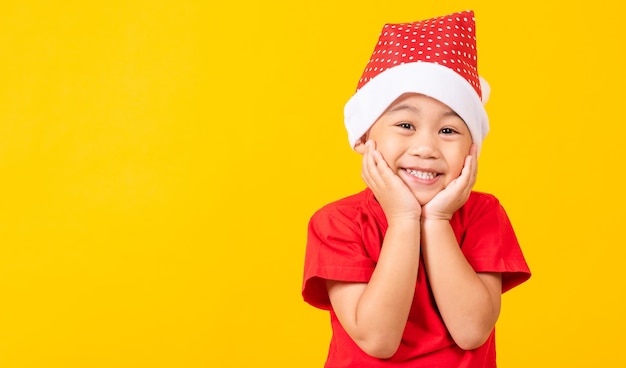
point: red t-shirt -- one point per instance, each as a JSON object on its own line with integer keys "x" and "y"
{"x": 344, "y": 242}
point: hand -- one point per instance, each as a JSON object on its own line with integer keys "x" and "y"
{"x": 456, "y": 193}
{"x": 394, "y": 196}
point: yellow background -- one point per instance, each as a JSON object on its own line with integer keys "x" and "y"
{"x": 160, "y": 161}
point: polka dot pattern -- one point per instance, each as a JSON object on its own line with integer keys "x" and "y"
{"x": 448, "y": 40}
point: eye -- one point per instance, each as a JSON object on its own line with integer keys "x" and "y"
{"x": 405, "y": 125}
{"x": 447, "y": 131}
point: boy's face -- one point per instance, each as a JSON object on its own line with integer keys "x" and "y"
{"x": 423, "y": 141}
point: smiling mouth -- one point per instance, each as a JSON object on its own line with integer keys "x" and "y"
{"x": 425, "y": 175}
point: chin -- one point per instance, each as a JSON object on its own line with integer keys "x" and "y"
{"x": 423, "y": 199}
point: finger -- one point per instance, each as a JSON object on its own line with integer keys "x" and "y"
{"x": 381, "y": 165}
{"x": 369, "y": 160}
{"x": 474, "y": 150}
{"x": 365, "y": 166}
{"x": 466, "y": 173}
{"x": 370, "y": 174}
{"x": 474, "y": 164}
{"x": 384, "y": 173}
{"x": 463, "y": 181}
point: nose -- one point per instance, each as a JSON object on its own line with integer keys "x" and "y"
{"x": 424, "y": 145}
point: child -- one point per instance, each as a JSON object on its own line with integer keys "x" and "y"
{"x": 412, "y": 268}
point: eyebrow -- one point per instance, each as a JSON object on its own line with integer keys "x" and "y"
{"x": 403, "y": 106}
{"x": 413, "y": 109}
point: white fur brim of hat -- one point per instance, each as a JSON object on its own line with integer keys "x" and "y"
{"x": 433, "y": 80}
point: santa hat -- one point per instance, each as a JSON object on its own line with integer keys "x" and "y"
{"x": 435, "y": 57}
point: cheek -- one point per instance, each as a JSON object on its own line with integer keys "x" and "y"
{"x": 458, "y": 167}
{"x": 456, "y": 163}
{"x": 388, "y": 151}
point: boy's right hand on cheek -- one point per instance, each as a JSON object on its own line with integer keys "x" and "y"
{"x": 396, "y": 199}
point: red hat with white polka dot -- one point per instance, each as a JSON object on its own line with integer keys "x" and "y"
{"x": 435, "y": 57}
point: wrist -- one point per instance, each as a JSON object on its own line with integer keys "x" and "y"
{"x": 400, "y": 221}
{"x": 428, "y": 216}
{"x": 435, "y": 220}
{"x": 434, "y": 225}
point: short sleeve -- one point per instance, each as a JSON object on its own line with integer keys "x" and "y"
{"x": 489, "y": 242}
{"x": 334, "y": 251}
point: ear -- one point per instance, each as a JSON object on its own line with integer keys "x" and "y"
{"x": 360, "y": 146}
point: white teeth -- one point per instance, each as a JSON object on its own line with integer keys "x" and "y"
{"x": 422, "y": 174}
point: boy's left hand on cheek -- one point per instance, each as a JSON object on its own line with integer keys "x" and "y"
{"x": 456, "y": 193}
